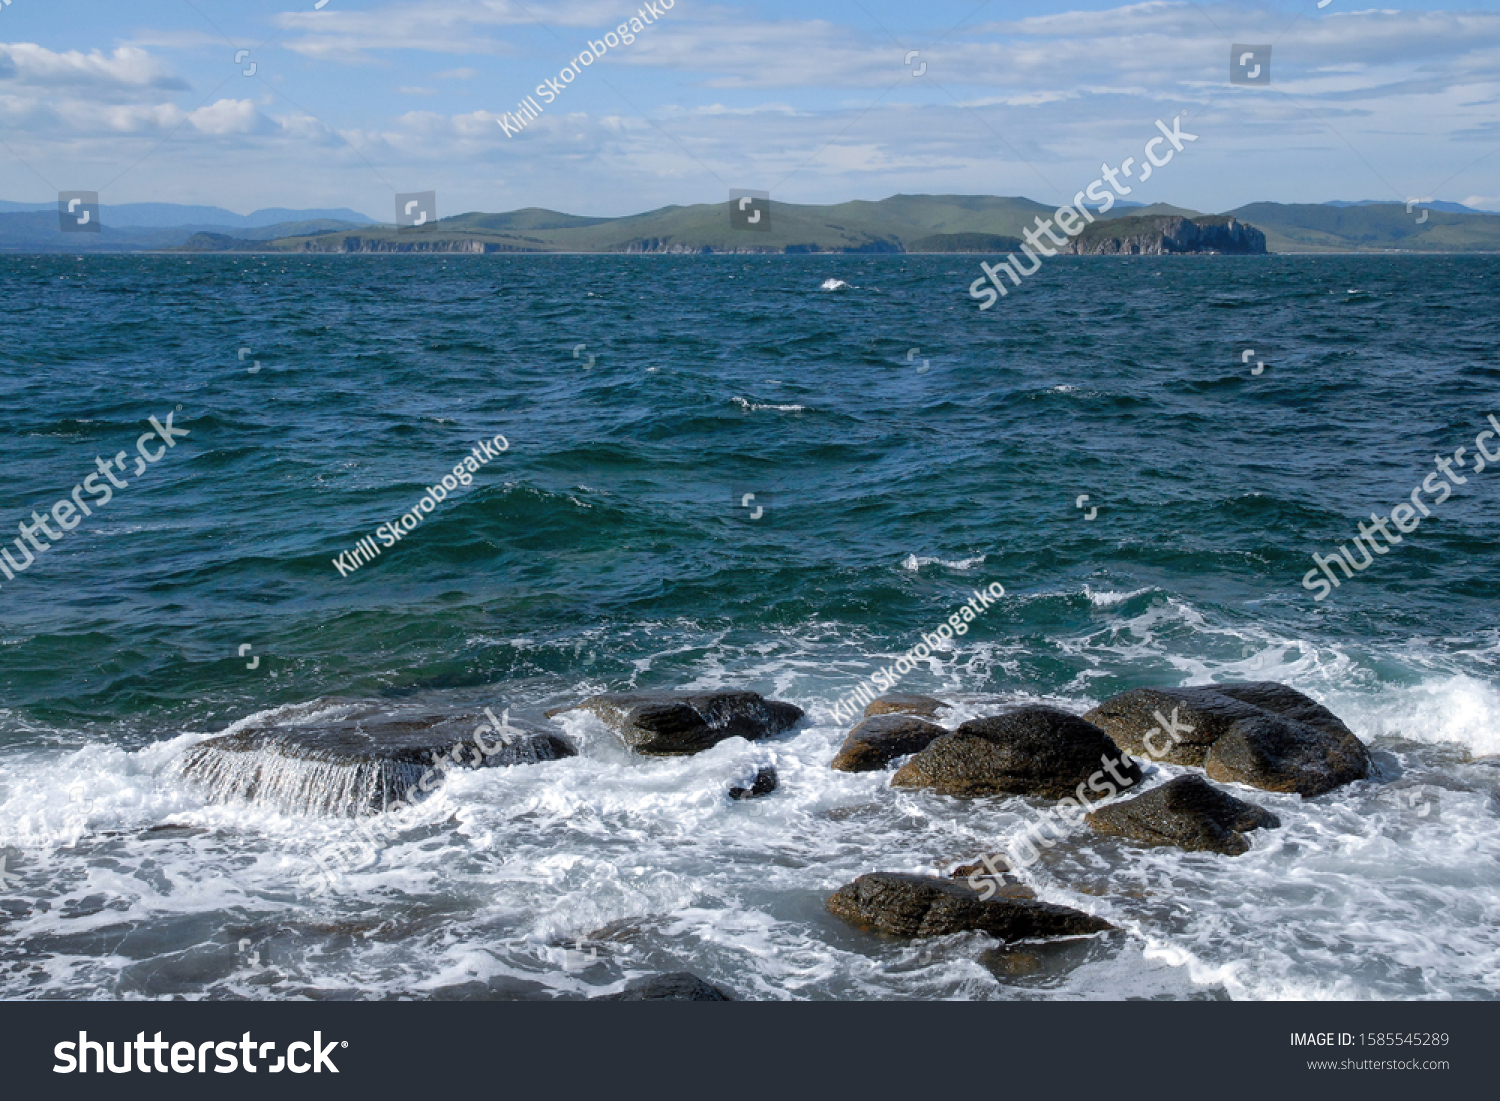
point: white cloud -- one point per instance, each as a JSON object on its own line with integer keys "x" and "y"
{"x": 231, "y": 116}
{"x": 129, "y": 70}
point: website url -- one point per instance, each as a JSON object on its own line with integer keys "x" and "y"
{"x": 1378, "y": 1064}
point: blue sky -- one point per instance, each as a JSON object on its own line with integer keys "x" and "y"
{"x": 813, "y": 101}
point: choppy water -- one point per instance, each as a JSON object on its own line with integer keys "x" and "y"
{"x": 909, "y": 448}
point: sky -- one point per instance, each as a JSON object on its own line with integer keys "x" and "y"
{"x": 817, "y": 101}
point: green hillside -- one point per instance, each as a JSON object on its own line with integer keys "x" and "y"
{"x": 985, "y": 224}
{"x": 942, "y": 223}
{"x": 1311, "y": 227}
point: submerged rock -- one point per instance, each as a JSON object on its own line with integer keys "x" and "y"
{"x": 362, "y": 762}
{"x": 1032, "y": 750}
{"x": 878, "y": 741}
{"x": 905, "y": 703}
{"x": 1262, "y": 734}
{"x": 678, "y": 986}
{"x": 1189, "y": 813}
{"x": 666, "y": 724}
{"x": 907, "y": 905}
{"x": 763, "y": 784}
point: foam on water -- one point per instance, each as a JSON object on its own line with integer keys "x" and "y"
{"x": 1381, "y": 889}
{"x": 755, "y": 407}
{"x": 916, "y": 562}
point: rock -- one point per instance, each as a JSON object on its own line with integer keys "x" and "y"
{"x": 362, "y": 762}
{"x": 1262, "y": 734}
{"x": 878, "y": 741}
{"x": 1189, "y": 813}
{"x": 679, "y": 986}
{"x": 675, "y": 724}
{"x": 1032, "y": 750}
{"x": 1003, "y": 884}
{"x": 1160, "y": 235}
{"x": 924, "y": 906}
{"x": 1045, "y": 963}
{"x": 905, "y": 703}
{"x": 764, "y": 784}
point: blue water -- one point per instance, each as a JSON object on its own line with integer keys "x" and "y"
{"x": 906, "y": 447}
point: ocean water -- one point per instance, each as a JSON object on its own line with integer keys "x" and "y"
{"x": 904, "y": 447}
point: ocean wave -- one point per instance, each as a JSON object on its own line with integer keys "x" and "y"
{"x": 754, "y": 407}
{"x": 916, "y": 562}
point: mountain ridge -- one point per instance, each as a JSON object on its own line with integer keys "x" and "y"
{"x": 981, "y": 224}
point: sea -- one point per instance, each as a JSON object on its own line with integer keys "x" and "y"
{"x": 755, "y": 472}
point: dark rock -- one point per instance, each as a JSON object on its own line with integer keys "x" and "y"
{"x": 1029, "y": 751}
{"x": 1044, "y": 963}
{"x": 1262, "y": 734}
{"x": 878, "y": 741}
{"x": 679, "y": 986}
{"x": 765, "y": 783}
{"x": 905, "y": 703}
{"x": 675, "y": 724}
{"x": 1189, "y": 813}
{"x": 924, "y": 906}
{"x": 363, "y": 762}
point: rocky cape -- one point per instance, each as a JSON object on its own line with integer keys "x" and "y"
{"x": 1162, "y": 236}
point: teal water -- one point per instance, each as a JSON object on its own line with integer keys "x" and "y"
{"x": 906, "y": 447}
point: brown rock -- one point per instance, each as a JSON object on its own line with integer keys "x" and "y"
{"x": 924, "y": 906}
{"x": 906, "y": 703}
{"x": 1262, "y": 734}
{"x": 1189, "y": 813}
{"x": 1028, "y": 751}
{"x": 878, "y": 741}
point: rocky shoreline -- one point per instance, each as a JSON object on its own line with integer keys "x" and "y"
{"x": 1080, "y": 770}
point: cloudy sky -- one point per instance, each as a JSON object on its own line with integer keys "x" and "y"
{"x": 814, "y": 101}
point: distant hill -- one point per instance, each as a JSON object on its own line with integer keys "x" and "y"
{"x": 1373, "y": 227}
{"x": 173, "y": 215}
{"x": 1435, "y": 204}
{"x": 38, "y": 231}
{"x": 984, "y": 224}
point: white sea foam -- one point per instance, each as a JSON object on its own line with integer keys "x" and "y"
{"x": 752, "y": 407}
{"x": 916, "y": 562}
{"x": 1382, "y": 889}
{"x": 1108, "y": 599}
{"x": 832, "y": 284}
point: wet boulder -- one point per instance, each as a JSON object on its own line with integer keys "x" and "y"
{"x": 678, "y": 986}
{"x": 905, "y": 703}
{"x": 1262, "y": 734}
{"x": 906, "y": 905}
{"x": 360, "y": 759}
{"x": 1189, "y": 813}
{"x": 764, "y": 783}
{"x": 667, "y": 724}
{"x": 1031, "y": 750}
{"x": 878, "y": 741}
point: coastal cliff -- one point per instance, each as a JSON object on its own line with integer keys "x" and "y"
{"x": 1137, "y": 236}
